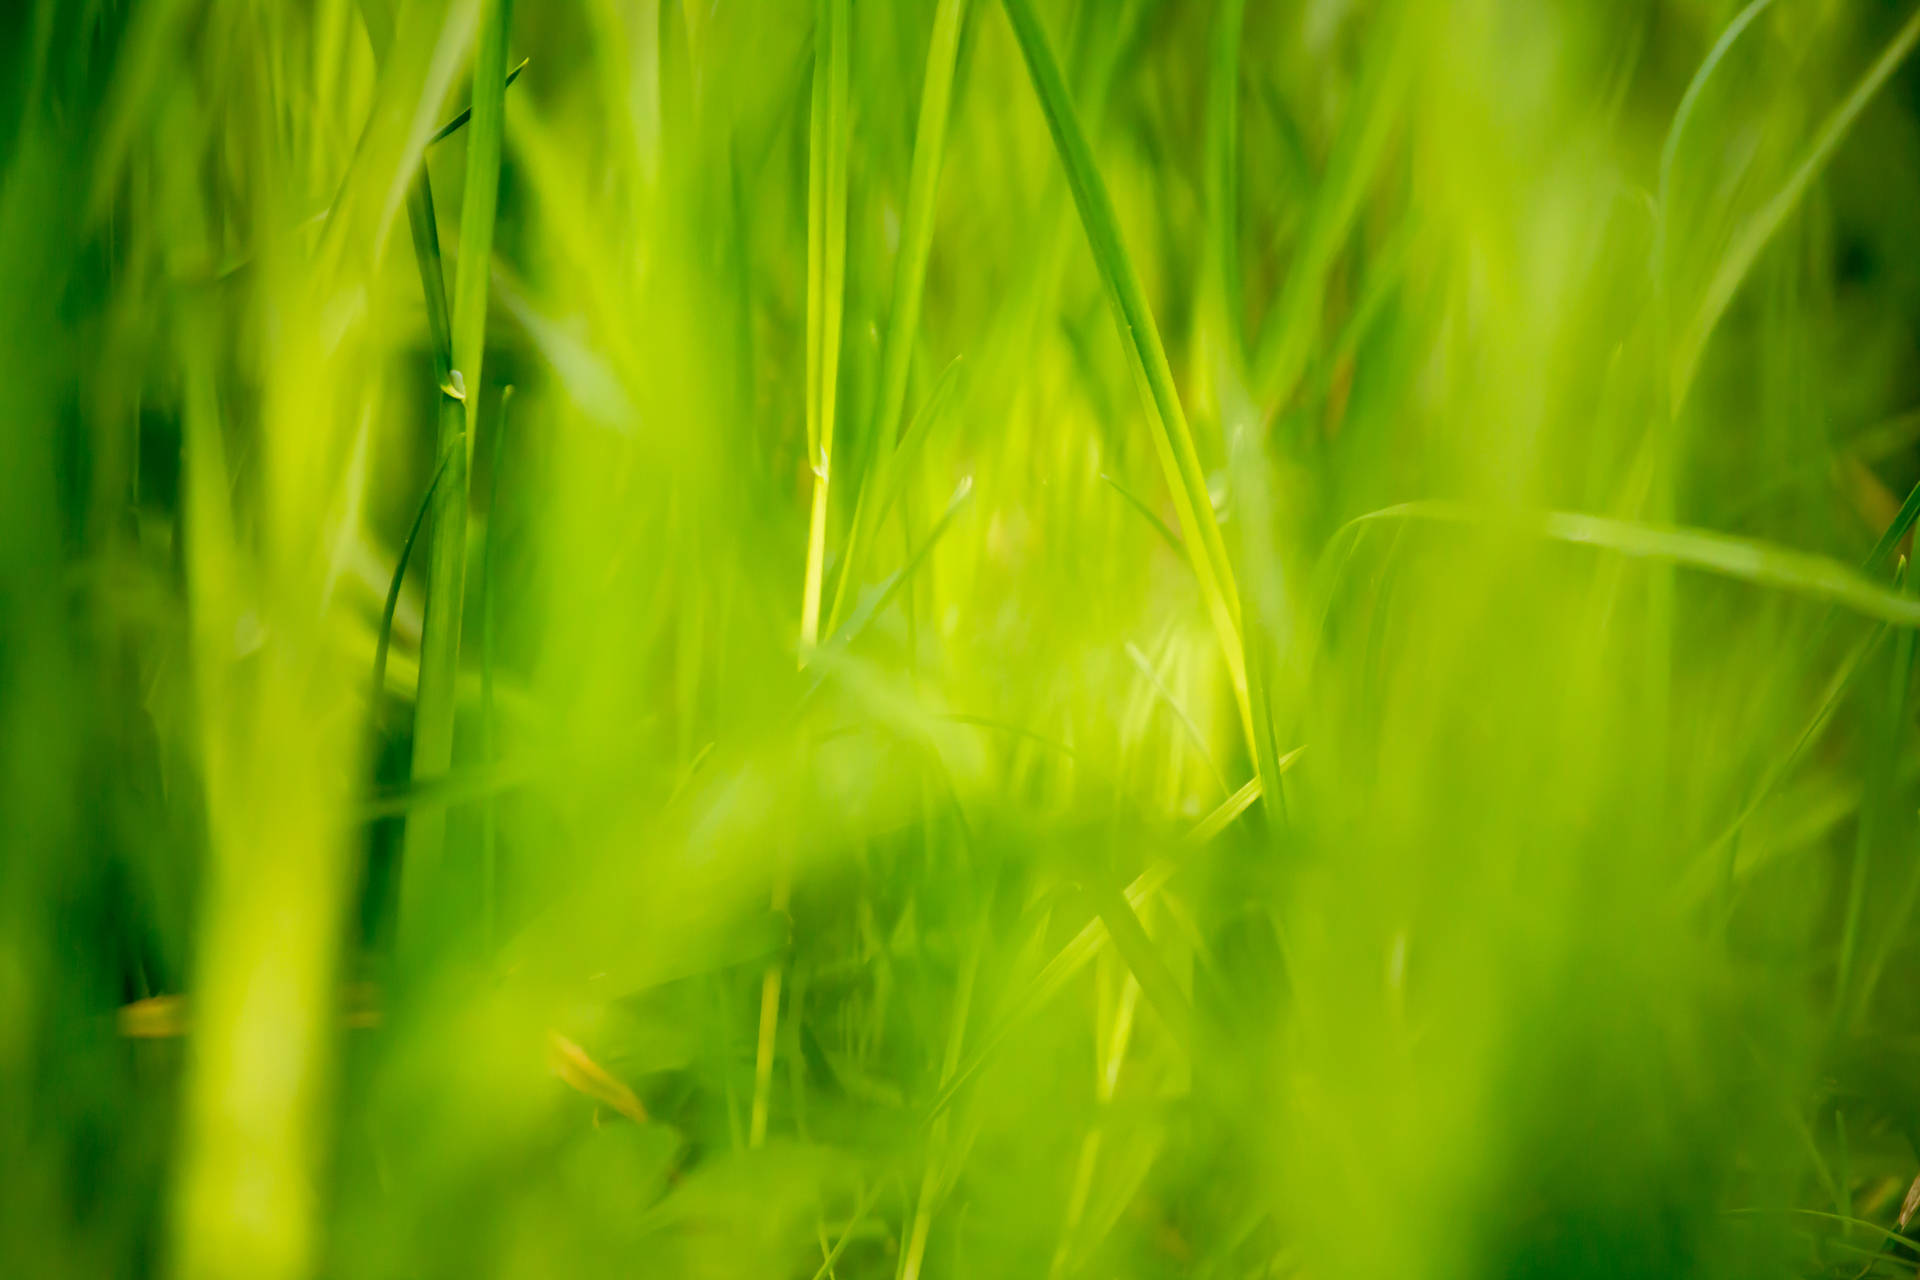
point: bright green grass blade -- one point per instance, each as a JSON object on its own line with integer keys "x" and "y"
{"x": 1761, "y": 228}
{"x": 435, "y": 704}
{"x": 1144, "y": 666}
{"x": 1173, "y": 441}
{"x": 1763, "y": 564}
{"x": 826, "y": 286}
{"x": 909, "y": 281}
{"x": 480, "y": 202}
{"x": 877, "y": 601}
{"x": 1223, "y": 173}
{"x": 1130, "y": 938}
{"x": 1087, "y": 944}
{"x": 916, "y": 236}
{"x": 884, "y": 485}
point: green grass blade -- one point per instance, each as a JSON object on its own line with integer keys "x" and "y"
{"x": 1670, "y": 149}
{"x": 459, "y": 121}
{"x": 1131, "y": 940}
{"x": 1287, "y": 337}
{"x": 384, "y": 639}
{"x": 1902, "y": 522}
{"x": 1140, "y": 336}
{"x": 489, "y": 608}
{"x": 1762, "y": 227}
{"x": 883, "y": 487}
{"x": 916, "y": 238}
{"x": 1146, "y": 513}
{"x": 1223, "y": 173}
{"x": 1763, "y": 564}
{"x": 826, "y": 286}
{"x": 881, "y": 597}
{"x": 1087, "y": 944}
{"x": 1195, "y": 738}
{"x": 435, "y": 705}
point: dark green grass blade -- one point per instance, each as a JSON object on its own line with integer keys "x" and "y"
{"x": 385, "y": 637}
{"x": 436, "y": 703}
{"x": 459, "y": 122}
{"x": 1902, "y": 522}
{"x": 1760, "y": 229}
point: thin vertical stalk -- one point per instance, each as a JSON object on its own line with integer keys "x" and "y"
{"x": 436, "y": 704}
{"x": 826, "y": 282}
{"x": 909, "y": 281}
{"x": 489, "y": 814}
{"x": 1140, "y": 336}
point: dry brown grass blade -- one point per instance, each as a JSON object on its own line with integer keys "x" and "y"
{"x": 579, "y": 1072}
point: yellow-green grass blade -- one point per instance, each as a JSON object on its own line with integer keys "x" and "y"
{"x": 1763, "y": 564}
{"x": 909, "y": 282}
{"x": 1140, "y": 337}
{"x": 826, "y": 287}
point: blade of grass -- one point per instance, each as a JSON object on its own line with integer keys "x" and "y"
{"x": 1762, "y": 564}
{"x": 1875, "y": 801}
{"x": 1285, "y": 345}
{"x": 1173, "y": 441}
{"x": 1223, "y": 173}
{"x": 826, "y": 285}
{"x": 385, "y": 637}
{"x": 916, "y": 239}
{"x": 1763, "y": 225}
{"x": 1903, "y": 521}
{"x": 1085, "y": 945}
{"x": 826, "y": 292}
{"x": 882, "y": 489}
{"x": 459, "y": 122}
{"x": 1145, "y": 512}
{"x": 1689, "y": 100}
{"x": 909, "y": 274}
{"x": 1144, "y": 666}
{"x": 435, "y": 705}
{"x": 1130, "y": 939}
{"x": 489, "y": 811}
{"x": 866, "y": 612}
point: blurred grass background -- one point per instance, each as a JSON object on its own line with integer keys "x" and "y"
{"x": 1395, "y": 759}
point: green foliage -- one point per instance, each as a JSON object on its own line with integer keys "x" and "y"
{"x": 1110, "y": 638}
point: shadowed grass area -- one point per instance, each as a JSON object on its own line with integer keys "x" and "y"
{"x": 1107, "y": 638}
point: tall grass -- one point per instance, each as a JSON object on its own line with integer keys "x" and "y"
{"x": 1121, "y": 638}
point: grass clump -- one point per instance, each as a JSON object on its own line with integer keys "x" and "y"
{"x": 1109, "y": 638}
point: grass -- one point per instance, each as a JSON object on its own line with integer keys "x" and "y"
{"x": 1108, "y": 639}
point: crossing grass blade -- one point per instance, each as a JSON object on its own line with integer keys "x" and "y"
{"x": 1173, "y": 440}
{"x": 384, "y": 638}
{"x": 1798, "y": 573}
{"x": 436, "y": 703}
{"x": 1760, "y": 229}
